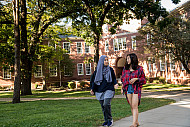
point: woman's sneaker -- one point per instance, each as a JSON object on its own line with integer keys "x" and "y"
{"x": 110, "y": 123}
{"x": 105, "y": 124}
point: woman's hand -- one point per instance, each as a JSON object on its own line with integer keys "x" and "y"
{"x": 121, "y": 90}
{"x": 91, "y": 92}
{"x": 116, "y": 86}
{"x": 133, "y": 80}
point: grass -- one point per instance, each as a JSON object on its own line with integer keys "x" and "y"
{"x": 86, "y": 93}
{"x": 67, "y": 113}
{"x": 161, "y": 86}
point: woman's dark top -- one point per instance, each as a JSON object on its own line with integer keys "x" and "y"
{"x": 104, "y": 85}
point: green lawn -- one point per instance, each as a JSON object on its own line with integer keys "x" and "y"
{"x": 67, "y": 113}
{"x": 161, "y": 86}
{"x": 85, "y": 93}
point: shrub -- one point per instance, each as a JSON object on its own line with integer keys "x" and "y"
{"x": 82, "y": 84}
{"x": 162, "y": 80}
{"x": 155, "y": 81}
{"x": 71, "y": 85}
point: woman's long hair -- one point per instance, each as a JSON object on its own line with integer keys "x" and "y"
{"x": 134, "y": 61}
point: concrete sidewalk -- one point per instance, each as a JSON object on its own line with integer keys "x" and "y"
{"x": 173, "y": 115}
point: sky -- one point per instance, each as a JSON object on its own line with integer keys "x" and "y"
{"x": 169, "y": 5}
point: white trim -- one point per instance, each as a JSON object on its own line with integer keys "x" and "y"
{"x": 8, "y": 75}
{"x": 149, "y": 67}
{"x": 182, "y": 67}
{"x": 90, "y": 69}
{"x": 40, "y": 72}
{"x": 79, "y": 47}
{"x": 69, "y": 47}
{"x": 120, "y": 34}
{"x": 81, "y": 70}
{"x": 50, "y": 70}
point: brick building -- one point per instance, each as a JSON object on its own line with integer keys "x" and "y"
{"x": 116, "y": 47}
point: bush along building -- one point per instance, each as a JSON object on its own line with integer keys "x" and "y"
{"x": 76, "y": 66}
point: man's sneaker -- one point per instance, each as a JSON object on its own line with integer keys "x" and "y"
{"x": 110, "y": 123}
{"x": 105, "y": 124}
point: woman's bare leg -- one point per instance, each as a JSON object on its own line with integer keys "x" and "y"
{"x": 129, "y": 96}
{"x": 135, "y": 108}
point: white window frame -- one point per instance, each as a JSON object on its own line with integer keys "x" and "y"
{"x": 105, "y": 28}
{"x": 87, "y": 46}
{"x": 115, "y": 44}
{"x": 89, "y": 68}
{"x": 79, "y": 48}
{"x": 35, "y": 74}
{"x": 119, "y": 44}
{"x": 106, "y": 46}
{"x": 134, "y": 41}
{"x": 49, "y": 44}
{"x": 82, "y": 70}
{"x": 172, "y": 66}
{"x": 161, "y": 64}
{"x": 7, "y": 73}
{"x": 52, "y": 71}
{"x": 69, "y": 48}
{"x": 124, "y": 43}
{"x": 149, "y": 67}
{"x": 154, "y": 67}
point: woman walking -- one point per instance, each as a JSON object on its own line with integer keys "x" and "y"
{"x": 102, "y": 84}
{"x": 132, "y": 79}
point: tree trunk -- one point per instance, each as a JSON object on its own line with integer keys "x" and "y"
{"x": 24, "y": 52}
{"x": 16, "y": 94}
{"x": 96, "y": 51}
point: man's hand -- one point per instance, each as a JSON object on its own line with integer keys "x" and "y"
{"x": 116, "y": 86}
{"x": 133, "y": 80}
{"x": 91, "y": 92}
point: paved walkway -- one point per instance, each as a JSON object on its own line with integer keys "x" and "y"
{"x": 173, "y": 115}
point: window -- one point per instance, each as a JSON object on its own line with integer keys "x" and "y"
{"x": 53, "y": 70}
{"x": 106, "y": 46}
{"x": 134, "y": 43}
{"x": 149, "y": 64}
{"x": 124, "y": 43}
{"x": 149, "y": 67}
{"x": 87, "y": 48}
{"x": 38, "y": 71}
{"x": 115, "y": 44}
{"x": 80, "y": 69}
{"x": 172, "y": 65}
{"x": 154, "y": 67}
{"x": 119, "y": 44}
{"x": 51, "y": 44}
{"x": 88, "y": 69}
{"x": 148, "y": 39}
{"x": 162, "y": 66}
{"x": 7, "y": 73}
{"x": 67, "y": 71}
{"x": 79, "y": 47}
{"x": 66, "y": 46}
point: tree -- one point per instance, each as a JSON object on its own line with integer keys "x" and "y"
{"x": 170, "y": 36}
{"x": 37, "y": 19}
{"x": 16, "y": 94}
{"x": 95, "y": 14}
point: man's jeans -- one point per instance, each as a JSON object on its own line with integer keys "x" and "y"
{"x": 106, "y": 109}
